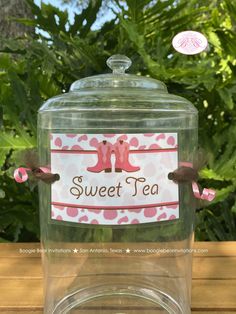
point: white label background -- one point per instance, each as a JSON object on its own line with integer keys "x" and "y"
{"x": 155, "y": 164}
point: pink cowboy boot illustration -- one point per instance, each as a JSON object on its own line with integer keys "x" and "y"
{"x": 121, "y": 149}
{"x": 104, "y": 150}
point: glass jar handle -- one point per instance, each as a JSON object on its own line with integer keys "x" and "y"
{"x": 119, "y": 63}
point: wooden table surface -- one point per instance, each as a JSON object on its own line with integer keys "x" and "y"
{"x": 213, "y": 284}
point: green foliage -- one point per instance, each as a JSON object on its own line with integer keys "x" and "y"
{"x": 35, "y": 69}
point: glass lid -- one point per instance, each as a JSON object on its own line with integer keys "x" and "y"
{"x": 118, "y": 78}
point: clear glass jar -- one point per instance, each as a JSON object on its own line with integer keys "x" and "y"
{"x": 115, "y": 231}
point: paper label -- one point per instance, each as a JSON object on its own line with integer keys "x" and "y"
{"x": 189, "y": 42}
{"x": 114, "y": 179}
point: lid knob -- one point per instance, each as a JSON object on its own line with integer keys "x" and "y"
{"x": 119, "y": 63}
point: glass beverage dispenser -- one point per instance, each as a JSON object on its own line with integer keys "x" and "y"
{"x": 115, "y": 229}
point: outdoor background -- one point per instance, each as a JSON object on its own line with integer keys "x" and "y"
{"x": 45, "y": 47}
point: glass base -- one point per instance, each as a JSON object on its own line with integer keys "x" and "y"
{"x": 117, "y": 299}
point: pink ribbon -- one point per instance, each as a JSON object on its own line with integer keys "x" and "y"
{"x": 21, "y": 175}
{"x": 207, "y": 194}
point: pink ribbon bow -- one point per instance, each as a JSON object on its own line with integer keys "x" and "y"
{"x": 21, "y": 175}
{"x": 207, "y": 194}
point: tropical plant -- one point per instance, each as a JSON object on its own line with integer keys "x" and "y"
{"x": 33, "y": 69}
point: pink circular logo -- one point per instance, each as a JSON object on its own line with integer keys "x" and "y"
{"x": 189, "y": 42}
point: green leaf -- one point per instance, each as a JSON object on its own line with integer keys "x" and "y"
{"x": 25, "y": 21}
{"x": 8, "y": 140}
{"x": 84, "y": 21}
{"x": 228, "y": 219}
{"x": 231, "y": 7}
{"x": 217, "y": 227}
{"x": 49, "y": 18}
{"x": 226, "y": 96}
{"x": 133, "y": 33}
{"x": 210, "y": 174}
{"x": 135, "y": 8}
{"x": 2, "y": 193}
{"x": 222, "y": 194}
{"x": 3, "y": 154}
{"x": 234, "y": 208}
{"x": 156, "y": 10}
{"x": 214, "y": 39}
